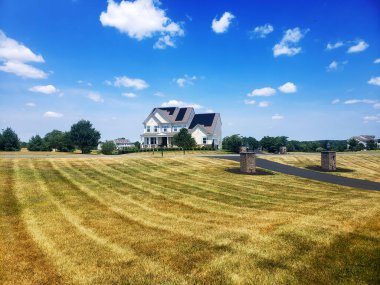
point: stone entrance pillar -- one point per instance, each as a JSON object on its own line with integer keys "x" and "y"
{"x": 247, "y": 162}
{"x": 328, "y": 160}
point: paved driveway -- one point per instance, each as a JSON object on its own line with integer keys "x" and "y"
{"x": 324, "y": 177}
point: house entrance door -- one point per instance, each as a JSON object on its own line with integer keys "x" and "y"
{"x": 164, "y": 141}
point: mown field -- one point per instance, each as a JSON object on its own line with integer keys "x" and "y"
{"x": 180, "y": 220}
{"x": 356, "y": 165}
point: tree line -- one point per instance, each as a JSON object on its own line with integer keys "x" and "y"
{"x": 81, "y": 136}
{"x": 272, "y": 144}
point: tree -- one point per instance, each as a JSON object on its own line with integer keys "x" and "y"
{"x": 184, "y": 140}
{"x": 232, "y": 143}
{"x": 9, "y": 140}
{"x": 108, "y": 147}
{"x": 273, "y": 144}
{"x": 250, "y": 142}
{"x": 137, "y": 144}
{"x": 371, "y": 145}
{"x": 354, "y": 145}
{"x": 84, "y": 136}
{"x": 54, "y": 139}
{"x": 36, "y": 143}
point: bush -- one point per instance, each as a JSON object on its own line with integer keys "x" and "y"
{"x": 319, "y": 149}
{"x": 108, "y": 147}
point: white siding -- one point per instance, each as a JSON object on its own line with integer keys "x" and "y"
{"x": 198, "y": 135}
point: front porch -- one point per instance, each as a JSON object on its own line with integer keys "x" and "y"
{"x": 157, "y": 142}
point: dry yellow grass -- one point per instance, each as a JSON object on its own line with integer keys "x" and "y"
{"x": 355, "y": 165}
{"x": 180, "y": 220}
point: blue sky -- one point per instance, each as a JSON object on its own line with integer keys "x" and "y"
{"x": 304, "y": 69}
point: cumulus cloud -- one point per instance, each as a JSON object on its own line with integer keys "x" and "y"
{"x": 186, "y": 80}
{"x": 374, "y": 81}
{"x": 288, "y": 44}
{"x": 376, "y": 60}
{"x": 376, "y": 105}
{"x": 14, "y": 56}
{"x": 159, "y": 94}
{"x": 30, "y": 104}
{"x": 51, "y": 114}
{"x": 45, "y": 89}
{"x": 249, "y": 102}
{"x": 221, "y": 25}
{"x": 262, "y": 31}
{"x": 277, "y": 117}
{"x": 360, "y": 46}
{"x": 335, "y": 101}
{"x": 332, "y": 66}
{"x": 23, "y": 70}
{"x": 331, "y": 46}
{"x": 266, "y": 91}
{"x": 95, "y": 97}
{"x": 129, "y": 95}
{"x": 142, "y": 19}
{"x": 356, "y": 101}
{"x": 288, "y": 87}
{"x": 135, "y": 83}
{"x": 263, "y": 104}
{"x": 176, "y": 103}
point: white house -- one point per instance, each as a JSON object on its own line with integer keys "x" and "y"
{"x": 363, "y": 139}
{"x": 163, "y": 123}
{"x": 122, "y": 143}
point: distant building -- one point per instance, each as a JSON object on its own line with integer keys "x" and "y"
{"x": 363, "y": 139}
{"x": 122, "y": 143}
{"x": 163, "y": 123}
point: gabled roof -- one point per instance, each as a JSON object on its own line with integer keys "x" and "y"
{"x": 208, "y": 121}
{"x": 174, "y": 115}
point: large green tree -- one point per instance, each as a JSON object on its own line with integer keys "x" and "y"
{"x": 371, "y": 145}
{"x": 59, "y": 140}
{"x": 184, "y": 139}
{"x": 232, "y": 143}
{"x": 9, "y": 140}
{"x": 84, "y": 136}
{"x": 273, "y": 144}
{"x": 250, "y": 142}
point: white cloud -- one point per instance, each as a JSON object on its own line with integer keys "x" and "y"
{"x": 84, "y": 82}
{"x": 23, "y": 70}
{"x": 371, "y": 118}
{"x": 263, "y": 104}
{"x": 249, "y": 102}
{"x": 45, "y": 89}
{"x": 209, "y": 111}
{"x": 30, "y": 104}
{"x": 266, "y": 91}
{"x": 374, "y": 81}
{"x": 356, "y": 101}
{"x": 107, "y": 82}
{"x": 175, "y": 103}
{"x": 288, "y": 87}
{"x": 13, "y": 51}
{"x": 288, "y": 43}
{"x": 221, "y": 25}
{"x": 334, "y": 46}
{"x": 262, "y": 31}
{"x": 336, "y": 101}
{"x": 360, "y": 46}
{"x": 159, "y": 94}
{"x": 186, "y": 80}
{"x": 129, "y": 95}
{"x": 135, "y": 83}
{"x": 51, "y": 114}
{"x": 277, "y": 117}
{"x": 332, "y": 66}
{"x": 14, "y": 55}
{"x": 142, "y": 19}
{"x": 376, "y": 60}
{"x": 95, "y": 97}
{"x": 376, "y": 105}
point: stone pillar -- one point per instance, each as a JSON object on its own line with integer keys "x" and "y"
{"x": 247, "y": 162}
{"x": 328, "y": 160}
{"x": 283, "y": 150}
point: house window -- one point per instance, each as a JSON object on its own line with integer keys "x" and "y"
{"x": 148, "y": 129}
{"x": 176, "y": 128}
{"x": 155, "y": 129}
{"x": 165, "y": 128}
{"x": 152, "y": 140}
{"x": 204, "y": 140}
